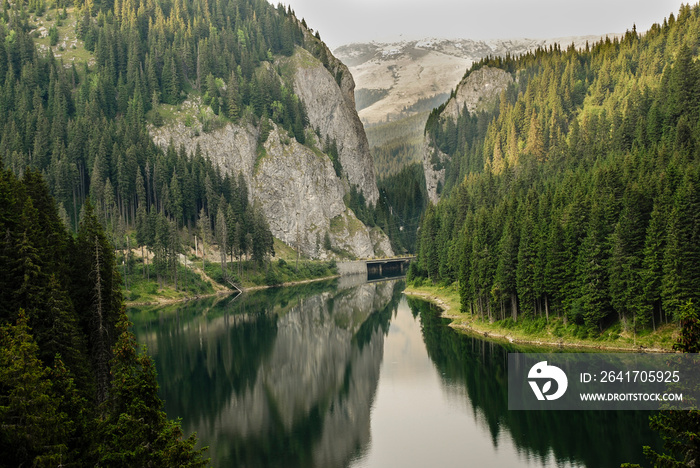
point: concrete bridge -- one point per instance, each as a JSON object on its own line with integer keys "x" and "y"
{"x": 376, "y": 266}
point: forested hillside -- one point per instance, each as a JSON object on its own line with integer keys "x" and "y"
{"x": 73, "y": 389}
{"x": 83, "y": 124}
{"x": 578, "y": 195}
{"x": 402, "y": 203}
{"x": 79, "y": 172}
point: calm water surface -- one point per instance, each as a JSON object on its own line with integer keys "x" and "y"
{"x": 356, "y": 375}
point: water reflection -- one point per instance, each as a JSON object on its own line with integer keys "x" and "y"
{"x": 276, "y": 378}
{"x": 347, "y": 374}
{"x": 474, "y": 371}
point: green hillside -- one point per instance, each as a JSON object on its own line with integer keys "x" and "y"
{"x": 73, "y": 389}
{"x": 577, "y": 198}
{"x": 79, "y": 175}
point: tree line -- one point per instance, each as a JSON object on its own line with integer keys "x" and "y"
{"x": 577, "y": 194}
{"x": 73, "y": 388}
{"x": 84, "y": 126}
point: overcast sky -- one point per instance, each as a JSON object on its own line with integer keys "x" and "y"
{"x": 344, "y": 21}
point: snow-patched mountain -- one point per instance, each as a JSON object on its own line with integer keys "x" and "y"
{"x": 395, "y": 80}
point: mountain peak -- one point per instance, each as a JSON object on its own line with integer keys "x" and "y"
{"x": 393, "y": 78}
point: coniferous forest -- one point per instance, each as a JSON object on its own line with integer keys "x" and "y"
{"x": 577, "y": 195}
{"x": 82, "y": 177}
{"x": 73, "y": 388}
{"x": 83, "y": 124}
{"x": 78, "y": 170}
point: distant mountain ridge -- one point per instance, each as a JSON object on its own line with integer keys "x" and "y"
{"x": 392, "y": 78}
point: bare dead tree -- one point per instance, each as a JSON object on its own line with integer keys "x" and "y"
{"x": 100, "y": 335}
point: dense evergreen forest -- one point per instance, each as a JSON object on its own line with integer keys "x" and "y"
{"x": 83, "y": 124}
{"x": 78, "y": 171}
{"x": 73, "y": 389}
{"x": 578, "y": 195}
{"x": 395, "y": 145}
{"x": 403, "y": 200}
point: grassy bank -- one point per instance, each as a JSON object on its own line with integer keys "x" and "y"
{"x": 276, "y": 273}
{"x": 139, "y": 287}
{"x": 541, "y": 332}
{"x": 197, "y": 280}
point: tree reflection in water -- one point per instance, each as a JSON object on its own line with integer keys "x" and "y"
{"x": 289, "y": 377}
{"x": 476, "y": 369}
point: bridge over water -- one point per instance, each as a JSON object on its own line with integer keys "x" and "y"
{"x": 377, "y": 266}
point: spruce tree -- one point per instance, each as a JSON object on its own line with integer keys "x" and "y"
{"x": 31, "y": 425}
{"x": 134, "y": 429}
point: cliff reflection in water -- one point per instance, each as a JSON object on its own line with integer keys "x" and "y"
{"x": 475, "y": 371}
{"x": 282, "y": 377}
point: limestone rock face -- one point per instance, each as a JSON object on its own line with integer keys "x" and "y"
{"x": 330, "y": 104}
{"x": 296, "y": 185}
{"x": 433, "y": 166}
{"x": 232, "y": 148}
{"x": 303, "y": 201}
{"x": 480, "y": 89}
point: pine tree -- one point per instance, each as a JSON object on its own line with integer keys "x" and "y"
{"x": 31, "y": 425}
{"x": 176, "y": 199}
{"x": 505, "y": 280}
{"x": 592, "y": 272}
{"x": 96, "y": 294}
{"x": 652, "y": 261}
{"x": 233, "y": 110}
{"x": 525, "y": 269}
{"x": 221, "y": 233}
{"x": 204, "y": 233}
{"x": 263, "y": 241}
{"x": 135, "y": 431}
{"x": 679, "y": 429}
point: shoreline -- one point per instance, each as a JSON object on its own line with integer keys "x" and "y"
{"x": 225, "y": 292}
{"x": 472, "y": 328}
{"x": 290, "y": 283}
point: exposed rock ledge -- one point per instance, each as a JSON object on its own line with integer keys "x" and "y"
{"x": 297, "y": 186}
{"x": 479, "y": 90}
{"x": 303, "y": 200}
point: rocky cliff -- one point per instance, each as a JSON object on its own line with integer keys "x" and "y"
{"x": 478, "y": 90}
{"x": 303, "y": 201}
{"x": 330, "y": 103}
{"x": 296, "y": 184}
{"x": 434, "y": 162}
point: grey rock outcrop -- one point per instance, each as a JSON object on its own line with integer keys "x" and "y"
{"x": 330, "y": 104}
{"x": 296, "y": 185}
{"x": 232, "y": 148}
{"x": 479, "y": 90}
{"x": 434, "y": 168}
{"x": 303, "y": 201}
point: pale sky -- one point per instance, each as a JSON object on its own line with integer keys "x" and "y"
{"x": 344, "y": 21}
